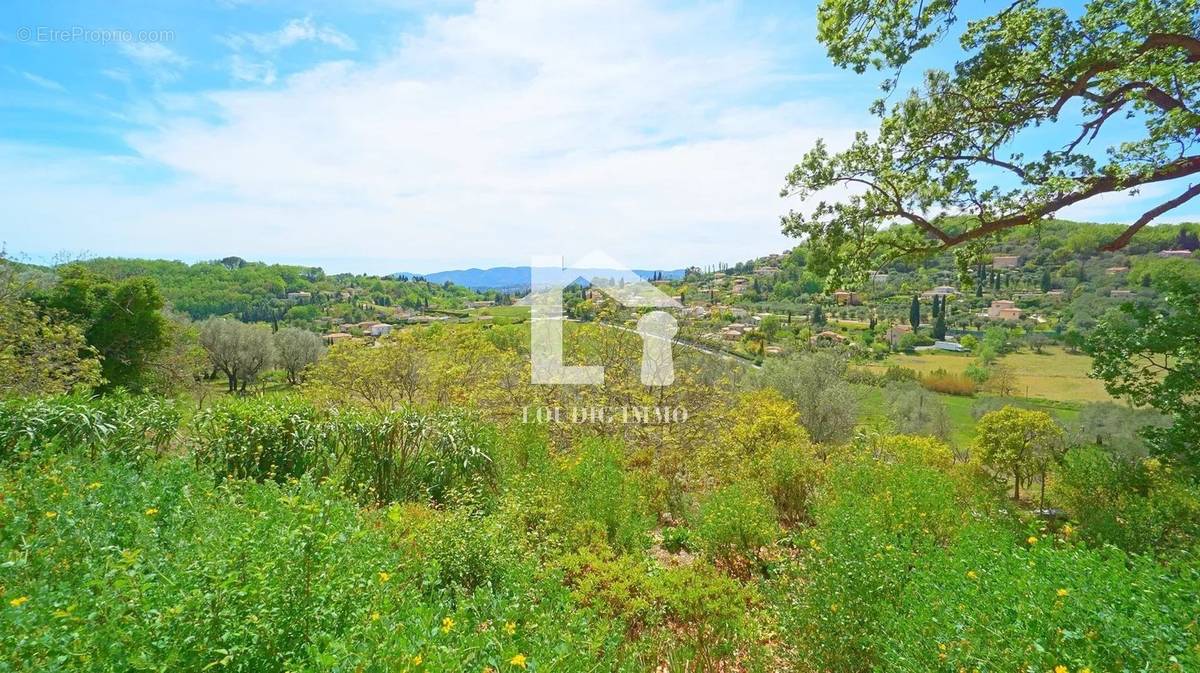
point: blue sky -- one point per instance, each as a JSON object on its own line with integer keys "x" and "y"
{"x": 373, "y": 136}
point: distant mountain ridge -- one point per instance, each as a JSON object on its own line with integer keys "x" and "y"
{"x": 515, "y": 277}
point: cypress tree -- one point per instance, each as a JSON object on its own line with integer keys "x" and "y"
{"x": 914, "y": 313}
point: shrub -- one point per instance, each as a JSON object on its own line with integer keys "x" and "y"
{"x": 676, "y": 539}
{"x": 876, "y": 521}
{"x": 795, "y": 476}
{"x": 1139, "y": 506}
{"x": 707, "y": 612}
{"x": 941, "y": 381}
{"x": 597, "y": 488}
{"x": 408, "y": 454}
{"x": 133, "y": 428}
{"x": 264, "y": 438}
{"x": 735, "y": 521}
{"x": 986, "y": 602}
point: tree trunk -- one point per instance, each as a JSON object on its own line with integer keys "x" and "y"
{"x": 1017, "y": 485}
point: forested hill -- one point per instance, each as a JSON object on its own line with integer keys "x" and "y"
{"x": 1056, "y": 253}
{"x": 257, "y": 291}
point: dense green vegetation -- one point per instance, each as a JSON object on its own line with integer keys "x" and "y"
{"x": 256, "y": 292}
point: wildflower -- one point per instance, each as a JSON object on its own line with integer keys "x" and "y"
{"x": 510, "y": 628}
{"x": 152, "y": 511}
{"x": 417, "y": 660}
{"x": 972, "y": 574}
{"x": 1061, "y": 669}
{"x": 518, "y": 660}
{"x": 1063, "y": 592}
{"x": 833, "y": 607}
{"x": 374, "y": 616}
{"x": 51, "y": 515}
{"x": 94, "y": 485}
{"x": 384, "y": 576}
{"x": 1067, "y": 530}
{"x": 1032, "y": 539}
{"x": 18, "y": 601}
{"x": 447, "y": 624}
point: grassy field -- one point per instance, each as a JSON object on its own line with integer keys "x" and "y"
{"x": 873, "y": 407}
{"x": 1053, "y": 375}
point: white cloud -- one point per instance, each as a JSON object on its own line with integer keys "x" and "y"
{"x": 244, "y": 70}
{"x": 484, "y": 138}
{"x": 43, "y": 82}
{"x": 292, "y": 32}
{"x": 163, "y": 64}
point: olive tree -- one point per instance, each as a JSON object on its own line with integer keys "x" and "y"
{"x": 296, "y": 349}
{"x": 238, "y": 350}
{"x": 816, "y": 384}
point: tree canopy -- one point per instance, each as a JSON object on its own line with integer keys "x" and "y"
{"x": 950, "y": 166}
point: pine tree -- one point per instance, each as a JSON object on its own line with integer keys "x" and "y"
{"x": 818, "y": 316}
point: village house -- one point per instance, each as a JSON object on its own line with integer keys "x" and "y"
{"x": 827, "y": 338}
{"x": 1005, "y": 261}
{"x": 336, "y": 337}
{"x": 845, "y": 297}
{"x": 382, "y": 329}
{"x": 1003, "y": 309}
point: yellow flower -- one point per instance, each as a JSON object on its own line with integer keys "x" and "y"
{"x": 417, "y": 660}
{"x": 93, "y": 486}
{"x": 51, "y": 515}
{"x": 19, "y": 601}
{"x": 152, "y": 511}
{"x": 833, "y": 608}
{"x": 1032, "y": 539}
{"x": 972, "y": 574}
{"x": 447, "y": 624}
{"x": 1067, "y": 530}
{"x": 1061, "y": 669}
{"x": 384, "y": 576}
{"x": 374, "y": 616}
{"x": 1063, "y": 592}
{"x": 510, "y": 628}
{"x": 518, "y": 660}
{"x": 488, "y": 669}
